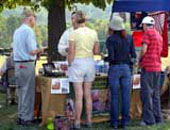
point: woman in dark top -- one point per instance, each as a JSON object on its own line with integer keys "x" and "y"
{"x": 121, "y": 52}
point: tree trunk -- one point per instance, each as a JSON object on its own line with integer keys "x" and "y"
{"x": 56, "y": 26}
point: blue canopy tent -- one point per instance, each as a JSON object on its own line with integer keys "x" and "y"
{"x": 141, "y": 5}
{"x": 144, "y": 6}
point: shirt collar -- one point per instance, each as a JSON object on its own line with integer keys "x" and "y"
{"x": 26, "y": 25}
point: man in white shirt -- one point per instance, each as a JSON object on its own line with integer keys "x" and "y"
{"x": 64, "y": 40}
{"x": 25, "y": 52}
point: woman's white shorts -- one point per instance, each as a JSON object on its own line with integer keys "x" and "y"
{"x": 82, "y": 70}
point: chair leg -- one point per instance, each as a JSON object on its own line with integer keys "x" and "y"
{"x": 6, "y": 95}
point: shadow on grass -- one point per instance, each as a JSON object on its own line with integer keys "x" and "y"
{"x": 8, "y": 116}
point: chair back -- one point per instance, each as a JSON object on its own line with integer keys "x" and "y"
{"x": 10, "y": 77}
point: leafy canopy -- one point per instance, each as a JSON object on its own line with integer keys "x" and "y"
{"x": 46, "y": 3}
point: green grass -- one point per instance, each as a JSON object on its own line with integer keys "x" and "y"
{"x": 8, "y": 116}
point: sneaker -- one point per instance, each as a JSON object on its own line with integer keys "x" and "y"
{"x": 13, "y": 102}
{"x": 76, "y": 126}
{"x": 9, "y": 102}
{"x": 124, "y": 127}
{"x": 159, "y": 123}
{"x": 27, "y": 123}
{"x": 19, "y": 120}
{"x": 88, "y": 125}
{"x": 114, "y": 127}
{"x": 143, "y": 123}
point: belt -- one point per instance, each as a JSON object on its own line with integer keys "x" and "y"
{"x": 117, "y": 63}
{"x": 24, "y": 61}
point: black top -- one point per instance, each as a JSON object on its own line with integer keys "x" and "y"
{"x": 120, "y": 50}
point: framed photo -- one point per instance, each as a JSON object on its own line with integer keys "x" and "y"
{"x": 60, "y": 86}
{"x": 136, "y": 81}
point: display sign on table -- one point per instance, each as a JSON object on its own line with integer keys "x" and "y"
{"x": 136, "y": 81}
{"x": 60, "y": 86}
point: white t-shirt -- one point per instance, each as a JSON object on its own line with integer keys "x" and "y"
{"x": 64, "y": 42}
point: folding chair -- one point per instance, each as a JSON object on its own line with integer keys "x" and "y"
{"x": 10, "y": 85}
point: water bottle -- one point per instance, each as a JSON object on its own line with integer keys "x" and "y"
{"x": 50, "y": 124}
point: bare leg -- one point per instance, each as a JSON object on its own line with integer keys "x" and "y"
{"x": 78, "y": 89}
{"x": 88, "y": 99}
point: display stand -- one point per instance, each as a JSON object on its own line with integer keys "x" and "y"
{"x": 49, "y": 105}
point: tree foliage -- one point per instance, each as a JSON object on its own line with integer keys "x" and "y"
{"x": 46, "y": 3}
{"x": 10, "y": 23}
{"x": 3, "y": 34}
{"x": 98, "y": 3}
{"x": 7, "y": 28}
{"x": 56, "y": 17}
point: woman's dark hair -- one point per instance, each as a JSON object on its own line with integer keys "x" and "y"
{"x": 122, "y": 33}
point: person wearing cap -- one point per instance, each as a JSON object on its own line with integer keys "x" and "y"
{"x": 64, "y": 40}
{"x": 150, "y": 63}
{"x": 25, "y": 51}
{"x": 120, "y": 52}
{"x": 83, "y": 44}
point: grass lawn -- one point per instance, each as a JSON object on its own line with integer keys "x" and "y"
{"x": 8, "y": 116}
